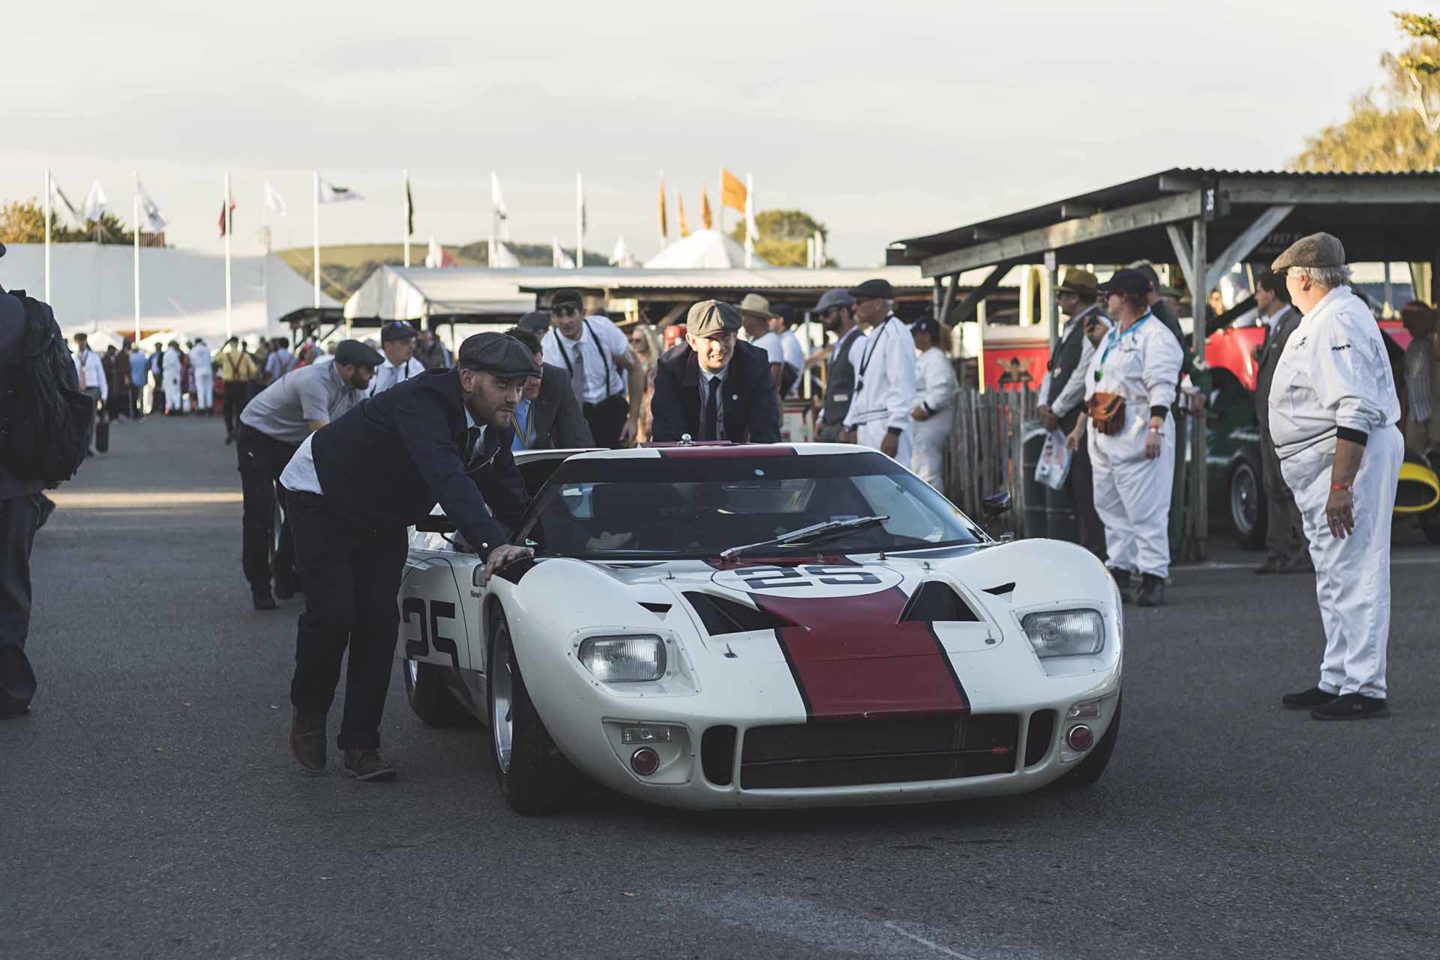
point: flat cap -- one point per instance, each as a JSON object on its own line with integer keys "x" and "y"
{"x": 1130, "y": 281}
{"x": 536, "y": 321}
{"x": 399, "y": 330}
{"x": 709, "y": 317}
{"x": 838, "y": 297}
{"x": 756, "y": 305}
{"x": 1082, "y": 282}
{"x": 879, "y": 288}
{"x": 356, "y": 353}
{"x": 1316, "y": 250}
{"x": 498, "y": 354}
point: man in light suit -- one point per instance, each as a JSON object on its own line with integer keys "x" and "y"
{"x": 1285, "y": 547}
{"x": 548, "y": 416}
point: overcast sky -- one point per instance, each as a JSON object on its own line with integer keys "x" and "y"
{"x": 884, "y": 120}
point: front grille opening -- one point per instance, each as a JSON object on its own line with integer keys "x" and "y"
{"x": 717, "y": 755}
{"x": 722, "y": 615}
{"x": 936, "y": 601}
{"x": 1038, "y": 740}
{"x": 835, "y": 753}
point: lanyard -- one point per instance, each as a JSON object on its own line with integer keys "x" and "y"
{"x": 1113, "y": 339}
{"x": 874, "y": 345}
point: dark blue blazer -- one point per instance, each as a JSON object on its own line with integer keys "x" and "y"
{"x": 393, "y": 456}
{"x": 752, "y": 414}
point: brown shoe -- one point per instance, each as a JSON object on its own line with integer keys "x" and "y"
{"x": 307, "y": 741}
{"x": 365, "y": 763}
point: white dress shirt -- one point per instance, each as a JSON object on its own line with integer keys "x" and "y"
{"x": 91, "y": 372}
{"x": 388, "y": 374}
{"x": 601, "y": 344}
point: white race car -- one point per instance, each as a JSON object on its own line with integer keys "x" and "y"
{"x": 712, "y": 626}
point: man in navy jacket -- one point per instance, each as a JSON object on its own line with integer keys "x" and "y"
{"x": 712, "y": 386}
{"x": 353, "y": 488}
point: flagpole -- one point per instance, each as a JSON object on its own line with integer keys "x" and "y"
{"x": 579, "y": 221}
{"x": 229, "y": 229}
{"x": 749, "y": 215}
{"x": 136, "y": 236}
{"x": 405, "y": 182}
{"x": 664, "y": 238}
{"x": 48, "y": 189}
{"x": 720, "y": 203}
{"x": 315, "y": 231}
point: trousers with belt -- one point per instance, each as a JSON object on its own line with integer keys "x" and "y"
{"x": 262, "y": 460}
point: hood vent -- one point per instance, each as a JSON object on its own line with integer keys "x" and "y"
{"x": 659, "y": 609}
{"x": 722, "y": 615}
{"x": 937, "y": 601}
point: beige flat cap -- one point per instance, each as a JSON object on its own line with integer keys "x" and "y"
{"x": 756, "y": 304}
{"x": 710, "y": 317}
{"x": 1316, "y": 250}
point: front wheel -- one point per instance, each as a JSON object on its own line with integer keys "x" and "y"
{"x": 1247, "y": 504}
{"x": 533, "y": 774}
{"x": 1430, "y": 524}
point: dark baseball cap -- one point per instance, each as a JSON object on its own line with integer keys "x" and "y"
{"x": 399, "y": 330}
{"x": 1128, "y": 281}
{"x": 499, "y": 354}
{"x": 926, "y": 325}
{"x": 356, "y": 353}
{"x": 536, "y": 321}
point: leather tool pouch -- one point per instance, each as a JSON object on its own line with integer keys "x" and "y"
{"x": 1107, "y": 410}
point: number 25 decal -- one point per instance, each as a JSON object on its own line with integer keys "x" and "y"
{"x": 781, "y": 578}
{"x": 429, "y": 628}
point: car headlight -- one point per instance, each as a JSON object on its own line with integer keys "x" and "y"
{"x": 1065, "y": 633}
{"x": 624, "y": 659}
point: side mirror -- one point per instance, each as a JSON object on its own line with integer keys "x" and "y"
{"x": 435, "y": 523}
{"x": 996, "y": 504}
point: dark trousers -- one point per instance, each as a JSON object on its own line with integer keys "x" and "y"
{"x": 352, "y": 577}
{"x": 262, "y": 460}
{"x": 607, "y": 418}
{"x": 137, "y": 401}
{"x": 93, "y": 392}
{"x": 1284, "y": 535}
{"x": 237, "y": 394}
{"x": 19, "y": 519}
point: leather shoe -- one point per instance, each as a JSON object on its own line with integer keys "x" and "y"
{"x": 286, "y": 590}
{"x": 1306, "y": 699}
{"x": 14, "y": 713}
{"x": 307, "y": 741}
{"x": 1272, "y": 564}
{"x": 1122, "y": 580}
{"x": 365, "y": 763}
{"x": 1300, "y": 563}
{"x": 262, "y": 599}
{"x": 1352, "y": 706}
{"x": 1152, "y": 591}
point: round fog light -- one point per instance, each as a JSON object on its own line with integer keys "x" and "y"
{"x": 1080, "y": 738}
{"x": 644, "y": 761}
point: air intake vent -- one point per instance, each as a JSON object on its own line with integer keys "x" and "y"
{"x": 721, "y": 615}
{"x": 657, "y": 608}
{"x": 936, "y": 601}
{"x": 1037, "y": 740}
{"x": 717, "y": 755}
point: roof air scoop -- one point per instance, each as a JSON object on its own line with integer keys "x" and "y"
{"x": 937, "y": 601}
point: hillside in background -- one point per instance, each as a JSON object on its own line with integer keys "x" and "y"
{"x": 343, "y": 268}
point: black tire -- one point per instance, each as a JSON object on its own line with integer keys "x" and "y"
{"x": 1430, "y": 524}
{"x": 1092, "y": 768}
{"x": 433, "y": 702}
{"x": 1246, "y": 491}
{"x": 536, "y": 779}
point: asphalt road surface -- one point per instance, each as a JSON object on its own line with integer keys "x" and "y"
{"x": 149, "y": 807}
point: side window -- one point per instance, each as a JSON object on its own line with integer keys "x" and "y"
{"x": 908, "y": 517}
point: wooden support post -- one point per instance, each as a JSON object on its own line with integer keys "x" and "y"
{"x": 967, "y": 307}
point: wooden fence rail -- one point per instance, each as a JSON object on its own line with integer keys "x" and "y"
{"x": 986, "y": 452}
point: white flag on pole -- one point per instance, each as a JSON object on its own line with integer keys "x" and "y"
{"x": 95, "y": 202}
{"x": 434, "y": 254}
{"x": 274, "y": 202}
{"x": 558, "y": 256}
{"x": 504, "y": 256}
{"x": 329, "y": 193}
{"x": 497, "y": 200}
{"x": 752, "y": 232}
{"x": 150, "y": 213}
{"x": 620, "y": 256}
{"x": 58, "y": 198}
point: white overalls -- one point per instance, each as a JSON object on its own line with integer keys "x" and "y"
{"x": 885, "y": 388}
{"x": 935, "y": 389}
{"x": 1132, "y": 494}
{"x": 1334, "y": 379}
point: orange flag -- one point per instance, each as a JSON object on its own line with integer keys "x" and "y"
{"x": 732, "y": 191}
{"x": 664, "y": 223}
{"x": 680, "y": 207}
{"x": 705, "y": 216}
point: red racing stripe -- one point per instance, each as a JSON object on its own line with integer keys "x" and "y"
{"x": 851, "y": 659}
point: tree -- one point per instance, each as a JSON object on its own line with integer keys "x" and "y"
{"x": 782, "y": 236}
{"x": 23, "y": 221}
{"x": 1393, "y": 128}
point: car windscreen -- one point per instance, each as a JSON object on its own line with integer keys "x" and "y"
{"x": 598, "y": 508}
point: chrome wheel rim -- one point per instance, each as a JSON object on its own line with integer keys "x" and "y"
{"x": 1244, "y": 500}
{"x": 412, "y": 672}
{"x": 502, "y": 700}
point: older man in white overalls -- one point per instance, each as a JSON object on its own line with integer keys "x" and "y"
{"x": 1334, "y": 416}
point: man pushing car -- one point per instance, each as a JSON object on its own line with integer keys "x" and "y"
{"x": 353, "y": 488}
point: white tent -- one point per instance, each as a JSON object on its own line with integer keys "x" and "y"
{"x": 399, "y": 293}
{"x": 702, "y": 250}
{"x": 92, "y": 288}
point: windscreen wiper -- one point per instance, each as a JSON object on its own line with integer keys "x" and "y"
{"x": 815, "y": 531}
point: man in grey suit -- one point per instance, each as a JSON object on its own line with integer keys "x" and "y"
{"x": 1285, "y": 547}
{"x": 548, "y": 416}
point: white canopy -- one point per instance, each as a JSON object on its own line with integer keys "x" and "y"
{"x": 398, "y": 293}
{"x": 92, "y": 288}
{"x": 702, "y": 250}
